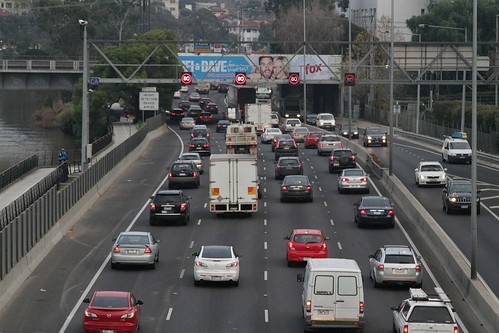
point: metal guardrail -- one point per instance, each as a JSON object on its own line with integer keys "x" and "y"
{"x": 17, "y": 171}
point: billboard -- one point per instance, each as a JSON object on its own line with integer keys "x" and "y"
{"x": 262, "y": 67}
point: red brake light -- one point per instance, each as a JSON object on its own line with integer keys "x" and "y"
{"x": 456, "y": 330}
{"x": 152, "y": 205}
{"x": 299, "y": 165}
{"x": 390, "y": 212}
{"x": 381, "y": 267}
{"x": 277, "y": 166}
{"x": 364, "y": 179}
{"x": 344, "y": 179}
{"x": 320, "y": 144}
{"x": 116, "y": 249}
{"x": 206, "y": 145}
{"x": 208, "y": 134}
{"x": 169, "y": 174}
{"x": 183, "y": 206}
{"x": 362, "y": 212}
{"x": 308, "y": 305}
{"x": 309, "y": 187}
{"x": 406, "y": 329}
{"x": 147, "y": 249}
{"x": 191, "y": 145}
{"x": 353, "y": 157}
{"x": 284, "y": 188}
{"x": 331, "y": 157}
{"x": 194, "y": 174}
{"x": 361, "y": 307}
{"x": 294, "y": 144}
{"x": 341, "y": 144}
{"x": 324, "y": 246}
{"x": 418, "y": 268}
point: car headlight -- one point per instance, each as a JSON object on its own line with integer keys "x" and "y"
{"x": 369, "y": 137}
{"x": 356, "y": 133}
{"x": 383, "y": 137}
{"x": 452, "y": 199}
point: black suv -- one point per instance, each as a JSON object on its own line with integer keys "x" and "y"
{"x": 375, "y": 136}
{"x": 184, "y": 105}
{"x": 183, "y": 173}
{"x": 169, "y": 205}
{"x": 177, "y": 114}
{"x": 342, "y": 158}
{"x": 285, "y": 147}
{"x": 457, "y": 196}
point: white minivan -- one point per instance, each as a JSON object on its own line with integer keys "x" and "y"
{"x": 326, "y": 121}
{"x": 333, "y": 294}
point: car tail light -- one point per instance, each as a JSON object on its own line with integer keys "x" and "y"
{"x": 309, "y": 187}
{"x": 232, "y": 264}
{"x": 331, "y": 157}
{"x": 277, "y": 166}
{"x": 456, "y": 330}
{"x": 362, "y": 212}
{"x": 418, "y": 268}
{"x": 147, "y": 249}
{"x": 294, "y": 144}
{"x": 361, "y": 307}
{"x": 390, "y": 212}
{"x": 192, "y": 135}
{"x": 324, "y": 246}
{"x": 277, "y": 144}
{"x": 90, "y": 314}
{"x": 206, "y": 145}
{"x": 284, "y": 188}
{"x": 381, "y": 267}
{"x": 128, "y": 315}
{"x": 344, "y": 179}
{"x": 308, "y": 305}
{"x": 363, "y": 179}
{"x": 169, "y": 174}
{"x": 291, "y": 246}
{"x": 353, "y": 157}
{"x": 254, "y": 207}
{"x": 152, "y": 206}
{"x": 208, "y": 134}
{"x": 194, "y": 174}
{"x": 218, "y": 125}
{"x": 116, "y": 249}
{"x": 191, "y": 145}
{"x": 183, "y": 206}
{"x": 320, "y": 144}
{"x": 406, "y": 329}
{"x": 201, "y": 264}
{"x": 299, "y": 165}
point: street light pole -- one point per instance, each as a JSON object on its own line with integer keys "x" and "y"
{"x": 84, "y": 99}
{"x": 463, "y": 95}
{"x": 304, "y": 64}
{"x": 390, "y": 137}
{"x": 496, "y": 62}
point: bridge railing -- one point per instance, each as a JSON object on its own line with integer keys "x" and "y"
{"x": 43, "y": 65}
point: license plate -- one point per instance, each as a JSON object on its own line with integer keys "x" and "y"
{"x": 182, "y": 174}
{"x": 199, "y": 148}
{"x": 107, "y": 331}
{"x": 132, "y": 251}
{"x": 216, "y": 278}
{"x": 464, "y": 206}
{"x": 336, "y": 163}
{"x": 377, "y": 212}
{"x": 399, "y": 271}
{"x": 323, "y": 312}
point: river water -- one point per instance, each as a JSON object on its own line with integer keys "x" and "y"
{"x": 20, "y": 137}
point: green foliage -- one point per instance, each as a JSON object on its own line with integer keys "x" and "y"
{"x": 449, "y": 113}
{"x": 279, "y": 6}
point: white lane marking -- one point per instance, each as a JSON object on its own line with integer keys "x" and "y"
{"x": 339, "y": 246}
{"x": 265, "y": 204}
{"x": 325, "y": 203}
{"x": 320, "y": 189}
{"x": 264, "y": 245}
{"x": 205, "y": 205}
{"x": 182, "y": 274}
{"x": 191, "y": 245}
{"x": 488, "y": 198}
{"x": 169, "y": 315}
{"x": 265, "y": 275}
{"x": 266, "y": 314}
{"x": 264, "y": 221}
{"x": 332, "y": 222}
{"x": 199, "y": 222}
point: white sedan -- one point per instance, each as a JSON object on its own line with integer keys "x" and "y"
{"x": 269, "y": 134}
{"x": 216, "y": 263}
{"x": 353, "y": 180}
{"x": 430, "y": 173}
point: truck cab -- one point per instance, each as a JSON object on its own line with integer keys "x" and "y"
{"x": 241, "y": 139}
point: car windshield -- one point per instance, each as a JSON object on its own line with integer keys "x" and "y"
{"x": 110, "y": 302}
{"x": 187, "y": 119}
{"x": 353, "y": 173}
{"x": 326, "y": 117}
{"x": 167, "y": 198}
{"x": 217, "y": 252}
{"x": 199, "y": 131}
{"x": 376, "y": 202}
{"x": 330, "y": 138}
{"x": 296, "y": 180}
{"x": 459, "y": 145}
{"x": 346, "y": 128}
{"x": 307, "y": 239}
{"x": 460, "y": 188}
{"x": 182, "y": 167}
{"x": 315, "y": 135}
{"x": 273, "y": 130}
{"x": 430, "y": 314}
{"x": 375, "y": 130}
{"x": 399, "y": 259}
{"x": 133, "y": 239}
{"x": 431, "y": 167}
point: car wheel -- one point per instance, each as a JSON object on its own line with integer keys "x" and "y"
{"x": 276, "y": 177}
{"x": 359, "y": 224}
{"x": 170, "y": 186}
{"x": 394, "y": 329}
{"x": 391, "y": 225}
{"x": 184, "y": 220}
{"x": 340, "y": 191}
{"x": 443, "y": 158}
{"x": 114, "y": 265}
{"x": 197, "y": 283}
{"x": 235, "y": 283}
{"x": 375, "y": 284}
{"x": 153, "y": 265}
{"x": 367, "y": 190}
{"x": 478, "y": 211}
{"x": 152, "y": 222}
{"x": 282, "y": 199}
{"x": 331, "y": 170}
{"x": 311, "y": 199}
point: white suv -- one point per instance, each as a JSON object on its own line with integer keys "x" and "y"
{"x": 326, "y": 121}
{"x": 456, "y": 150}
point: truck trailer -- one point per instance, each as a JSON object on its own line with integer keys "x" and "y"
{"x": 260, "y": 115}
{"x": 233, "y": 183}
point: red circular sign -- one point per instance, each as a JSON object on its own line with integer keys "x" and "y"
{"x": 240, "y": 78}
{"x": 294, "y": 78}
{"x": 186, "y": 78}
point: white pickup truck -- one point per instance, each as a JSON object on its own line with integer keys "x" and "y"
{"x": 422, "y": 313}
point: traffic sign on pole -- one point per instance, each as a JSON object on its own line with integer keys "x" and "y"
{"x": 294, "y": 78}
{"x": 240, "y": 78}
{"x": 349, "y": 79}
{"x": 186, "y": 78}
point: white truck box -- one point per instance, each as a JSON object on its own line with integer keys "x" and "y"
{"x": 233, "y": 183}
{"x": 241, "y": 139}
{"x": 259, "y": 114}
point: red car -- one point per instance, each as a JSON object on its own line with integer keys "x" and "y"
{"x": 304, "y": 244}
{"x": 204, "y": 118}
{"x": 112, "y": 311}
{"x": 312, "y": 139}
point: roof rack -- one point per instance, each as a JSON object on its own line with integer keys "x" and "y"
{"x": 417, "y": 294}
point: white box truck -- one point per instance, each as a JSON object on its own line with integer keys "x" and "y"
{"x": 333, "y": 294}
{"x": 260, "y": 115}
{"x": 233, "y": 183}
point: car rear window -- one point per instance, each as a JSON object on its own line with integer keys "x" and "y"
{"x": 133, "y": 239}
{"x": 430, "y": 314}
{"x": 342, "y": 153}
{"x": 307, "y": 239}
{"x": 182, "y": 167}
{"x": 167, "y": 198}
{"x": 374, "y": 201}
{"x": 353, "y": 173}
{"x": 399, "y": 259}
{"x": 330, "y": 138}
{"x": 217, "y": 252}
{"x": 288, "y": 161}
{"x": 110, "y": 302}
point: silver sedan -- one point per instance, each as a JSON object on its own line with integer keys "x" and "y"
{"x": 135, "y": 248}
{"x": 353, "y": 180}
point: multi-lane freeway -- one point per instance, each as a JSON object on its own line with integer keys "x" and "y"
{"x": 268, "y": 296}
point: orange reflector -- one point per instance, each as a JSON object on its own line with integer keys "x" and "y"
{"x": 251, "y": 190}
{"x": 215, "y": 191}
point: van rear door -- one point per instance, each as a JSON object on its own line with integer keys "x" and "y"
{"x": 347, "y": 297}
{"x": 323, "y": 298}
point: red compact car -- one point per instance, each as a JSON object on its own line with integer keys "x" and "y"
{"x": 304, "y": 244}
{"x": 312, "y": 139}
{"x": 112, "y": 311}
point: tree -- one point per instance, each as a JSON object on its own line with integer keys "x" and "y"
{"x": 323, "y": 25}
{"x": 201, "y": 25}
{"x": 278, "y": 6}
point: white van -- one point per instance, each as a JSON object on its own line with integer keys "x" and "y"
{"x": 326, "y": 121}
{"x": 333, "y": 294}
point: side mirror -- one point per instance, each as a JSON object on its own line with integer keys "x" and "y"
{"x": 287, "y": 237}
{"x": 445, "y": 169}
{"x": 299, "y": 278}
{"x": 371, "y": 256}
{"x": 395, "y": 308}
{"x": 157, "y": 241}
{"x": 444, "y": 190}
{"x": 114, "y": 239}
{"x": 86, "y": 300}
{"x": 139, "y": 302}
{"x": 415, "y": 170}
{"x": 326, "y": 238}
{"x": 195, "y": 254}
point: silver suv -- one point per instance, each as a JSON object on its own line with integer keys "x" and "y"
{"x": 395, "y": 264}
{"x": 326, "y": 121}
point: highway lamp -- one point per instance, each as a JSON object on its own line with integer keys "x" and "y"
{"x": 390, "y": 137}
{"x": 496, "y": 59}
{"x": 304, "y": 63}
{"x": 350, "y": 71}
{"x": 84, "y": 99}
{"x": 474, "y": 197}
{"x": 463, "y": 95}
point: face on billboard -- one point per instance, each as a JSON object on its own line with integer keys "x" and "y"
{"x": 266, "y": 66}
